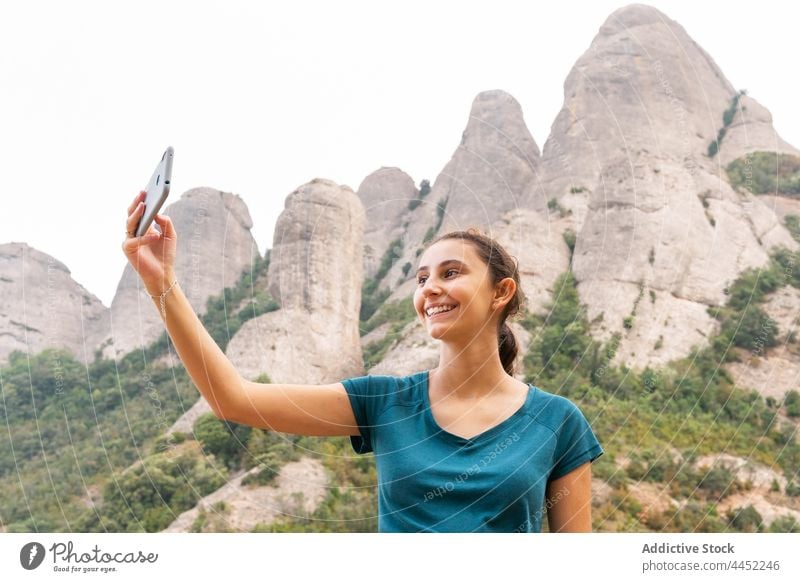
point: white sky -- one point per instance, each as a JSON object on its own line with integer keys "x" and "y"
{"x": 258, "y": 98}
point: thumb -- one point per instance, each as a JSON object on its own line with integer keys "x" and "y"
{"x": 167, "y": 228}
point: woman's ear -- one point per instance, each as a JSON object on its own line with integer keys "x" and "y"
{"x": 504, "y": 292}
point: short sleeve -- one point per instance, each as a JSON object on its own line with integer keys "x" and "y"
{"x": 367, "y": 396}
{"x": 576, "y": 443}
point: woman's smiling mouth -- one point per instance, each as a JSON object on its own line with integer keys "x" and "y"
{"x": 439, "y": 311}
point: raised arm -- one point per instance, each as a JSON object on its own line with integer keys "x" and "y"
{"x": 322, "y": 410}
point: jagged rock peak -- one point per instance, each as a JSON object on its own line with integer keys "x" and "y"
{"x": 41, "y": 306}
{"x": 315, "y": 275}
{"x": 497, "y": 112}
{"x": 317, "y": 238}
{"x": 388, "y": 195}
{"x": 629, "y": 161}
{"x": 492, "y": 171}
{"x": 215, "y": 246}
{"x": 627, "y": 17}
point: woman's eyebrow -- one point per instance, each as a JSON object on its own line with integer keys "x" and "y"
{"x": 442, "y": 264}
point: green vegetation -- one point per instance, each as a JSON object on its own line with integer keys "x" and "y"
{"x": 691, "y": 404}
{"x": 90, "y": 452}
{"x": 554, "y": 206}
{"x": 225, "y": 440}
{"x": 792, "y": 223}
{"x": 727, "y": 119}
{"x": 74, "y": 428}
{"x": 424, "y": 190}
{"x": 399, "y": 314}
{"x": 746, "y": 520}
{"x": 244, "y": 298}
{"x": 372, "y": 297}
{"x": 351, "y": 504}
{"x": 766, "y": 173}
{"x": 792, "y": 403}
{"x": 151, "y": 494}
{"x": 570, "y": 239}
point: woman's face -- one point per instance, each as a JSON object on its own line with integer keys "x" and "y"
{"x": 451, "y": 274}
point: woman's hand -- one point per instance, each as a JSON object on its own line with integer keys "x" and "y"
{"x": 152, "y": 255}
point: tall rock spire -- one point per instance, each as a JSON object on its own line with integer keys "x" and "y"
{"x": 660, "y": 232}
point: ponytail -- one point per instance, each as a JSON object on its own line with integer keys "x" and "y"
{"x": 507, "y": 345}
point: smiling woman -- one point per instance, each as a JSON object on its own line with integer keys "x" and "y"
{"x": 464, "y": 447}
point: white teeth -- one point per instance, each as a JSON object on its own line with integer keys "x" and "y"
{"x": 434, "y": 310}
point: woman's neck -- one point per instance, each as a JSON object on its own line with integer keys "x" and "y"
{"x": 472, "y": 371}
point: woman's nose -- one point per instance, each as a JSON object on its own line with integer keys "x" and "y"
{"x": 429, "y": 288}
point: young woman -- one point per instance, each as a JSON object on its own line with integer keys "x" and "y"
{"x": 464, "y": 447}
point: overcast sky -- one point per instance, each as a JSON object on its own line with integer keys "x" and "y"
{"x": 259, "y": 98}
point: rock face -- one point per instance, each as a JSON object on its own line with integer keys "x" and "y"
{"x": 41, "y": 306}
{"x": 776, "y": 371}
{"x": 491, "y": 172}
{"x": 386, "y": 195}
{"x": 751, "y": 131}
{"x": 315, "y": 274}
{"x": 215, "y": 247}
{"x": 494, "y": 168}
{"x": 627, "y": 159}
{"x": 299, "y": 488}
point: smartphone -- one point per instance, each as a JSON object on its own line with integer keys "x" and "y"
{"x": 157, "y": 191}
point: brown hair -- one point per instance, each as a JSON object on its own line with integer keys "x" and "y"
{"x": 501, "y": 265}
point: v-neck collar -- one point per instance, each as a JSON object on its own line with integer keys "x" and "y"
{"x": 488, "y": 433}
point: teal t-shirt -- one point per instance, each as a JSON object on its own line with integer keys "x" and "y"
{"x": 430, "y": 480}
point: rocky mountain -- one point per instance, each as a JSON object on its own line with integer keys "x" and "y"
{"x": 42, "y": 306}
{"x": 660, "y": 231}
{"x": 386, "y": 195}
{"x": 315, "y": 274}
{"x": 630, "y": 194}
{"x": 214, "y": 247}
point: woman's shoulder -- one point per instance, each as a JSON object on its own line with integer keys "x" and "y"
{"x": 553, "y": 410}
{"x": 388, "y": 384}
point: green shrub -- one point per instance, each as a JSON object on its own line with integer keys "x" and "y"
{"x": 570, "y": 238}
{"x": 784, "y": 524}
{"x": 727, "y": 119}
{"x": 424, "y": 188}
{"x": 766, "y": 173}
{"x": 225, "y": 440}
{"x": 270, "y": 463}
{"x": 792, "y": 403}
{"x": 150, "y": 495}
{"x": 755, "y": 331}
{"x": 792, "y": 222}
{"x": 719, "y": 482}
{"x": 747, "y": 519}
{"x": 391, "y": 255}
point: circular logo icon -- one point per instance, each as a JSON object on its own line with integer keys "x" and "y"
{"x": 31, "y": 555}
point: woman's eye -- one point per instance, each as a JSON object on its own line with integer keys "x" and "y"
{"x": 421, "y": 280}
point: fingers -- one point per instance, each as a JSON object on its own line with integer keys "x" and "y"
{"x": 134, "y": 217}
{"x": 132, "y": 244}
{"x": 135, "y": 203}
{"x": 167, "y": 228}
